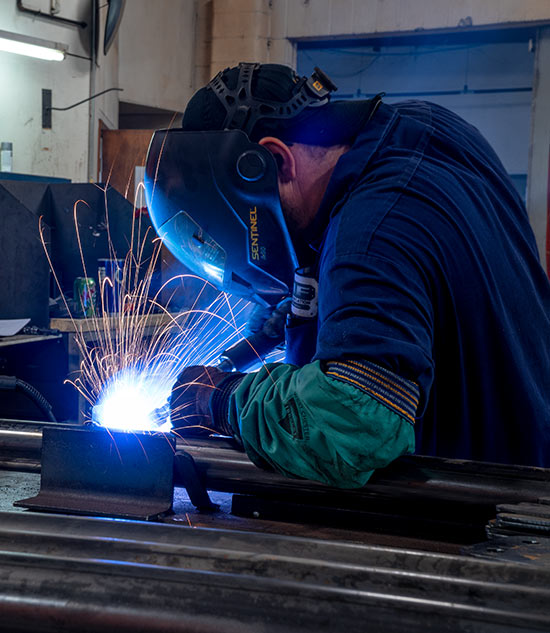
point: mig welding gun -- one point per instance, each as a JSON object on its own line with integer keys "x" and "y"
{"x": 200, "y": 397}
{"x": 203, "y": 392}
{"x": 266, "y": 328}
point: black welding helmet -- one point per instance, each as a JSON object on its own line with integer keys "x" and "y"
{"x": 213, "y": 200}
{"x": 213, "y": 195}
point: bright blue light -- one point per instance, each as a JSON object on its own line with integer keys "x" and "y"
{"x": 136, "y": 397}
{"x": 135, "y": 401}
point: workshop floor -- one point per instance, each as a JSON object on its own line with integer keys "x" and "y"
{"x": 15, "y": 485}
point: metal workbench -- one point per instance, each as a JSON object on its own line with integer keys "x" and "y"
{"x": 428, "y": 545}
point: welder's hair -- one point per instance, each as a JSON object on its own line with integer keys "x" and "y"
{"x": 332, "y": 124}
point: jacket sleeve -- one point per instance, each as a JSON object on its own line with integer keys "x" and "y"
{"x": 306, "y": 423}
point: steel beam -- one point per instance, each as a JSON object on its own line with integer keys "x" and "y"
{"x": 92, "y": 470}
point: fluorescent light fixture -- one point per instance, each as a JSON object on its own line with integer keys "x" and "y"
{"x": 31, "y": 46}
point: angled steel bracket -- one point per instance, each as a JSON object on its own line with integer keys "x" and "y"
{"x": 96, "y": 471}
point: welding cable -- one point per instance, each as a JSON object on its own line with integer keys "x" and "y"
{"x": 12, "y": 382}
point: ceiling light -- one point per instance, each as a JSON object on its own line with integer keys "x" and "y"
{"x": 31, "y": 46}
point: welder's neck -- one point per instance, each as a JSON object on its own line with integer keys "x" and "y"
{"x": 302, "y": 191}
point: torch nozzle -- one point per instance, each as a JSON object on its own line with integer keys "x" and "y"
{"x": 248, "y": 352}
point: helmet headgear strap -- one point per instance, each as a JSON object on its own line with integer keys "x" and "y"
{"x": 243, "y": 110}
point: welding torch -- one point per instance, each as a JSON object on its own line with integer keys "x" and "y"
{"x": 301, "y": 307}
{"x": 248, "y": 351}
{"x": 254, "y": 348}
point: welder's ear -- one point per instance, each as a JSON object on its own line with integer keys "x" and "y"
{"x": 284, "y": 158}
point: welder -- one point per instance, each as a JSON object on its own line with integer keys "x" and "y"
{"x": 424, "y": 325}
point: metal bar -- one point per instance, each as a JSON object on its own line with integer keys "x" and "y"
{"x": 94, "y": 574}
{"x": 419, "y": 497}
{"x": 416, "y": 477}
{"x": 513, "y": 548}
{"x": 92, "y": 470}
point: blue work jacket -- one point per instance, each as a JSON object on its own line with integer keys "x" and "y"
{"x": 428, "y": 267}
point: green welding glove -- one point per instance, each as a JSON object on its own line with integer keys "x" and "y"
{"x": 199, "y": 403}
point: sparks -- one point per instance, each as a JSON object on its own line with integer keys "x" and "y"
{"x": 127, "y": 375}
{"x": 134, "y": 401}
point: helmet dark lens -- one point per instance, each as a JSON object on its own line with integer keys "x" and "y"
{"x": 194, "y": 247}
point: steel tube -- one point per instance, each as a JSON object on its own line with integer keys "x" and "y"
{"x": 66, "y": 573}
{"x": 225, "y": 469}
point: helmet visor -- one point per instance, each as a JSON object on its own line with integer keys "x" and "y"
{"x": 194, "y": 247}
{"x": 213, "y": 199}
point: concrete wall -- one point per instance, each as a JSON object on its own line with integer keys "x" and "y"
{"x": 63, "y": 150}
{"x": 267, "y": 31}
{"x": 156, "y": 67}
{"x": 538, "y": 182}
{"x": 157, "y": 52}
{"x": 168, "y": 48}
{"x": 263, "y": 30}
{"x": 203, "y": 41}
{"x": 104, "y": 76}
{"x": 487, "y": 84}
{"x": 313, "y": 18}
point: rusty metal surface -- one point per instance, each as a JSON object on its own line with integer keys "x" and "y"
{"x": 81, "y": 574}
{"x": 223, "y": 468}
{"x": 60, "y": 573}
{"x": 529, "y": 550}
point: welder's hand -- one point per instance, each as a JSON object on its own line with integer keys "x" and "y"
{"x": 270, "y": 321}
{"x": 200, "y": 400}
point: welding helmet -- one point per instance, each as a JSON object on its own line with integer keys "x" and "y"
{"x": 213, "y": 195}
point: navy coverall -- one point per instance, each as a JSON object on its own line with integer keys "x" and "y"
{"x": 434, "y": 314}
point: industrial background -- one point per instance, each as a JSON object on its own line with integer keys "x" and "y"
{"x": 68, "y": 129}
{"x": 488, "y": 60}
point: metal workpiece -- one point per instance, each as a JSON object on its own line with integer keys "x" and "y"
{"x": 421, "y": 497}
{"x": 229, "y": 470}
{"x": 93, "y": 470}
{"x": 62, "y": 573}
{"x": 20, "y": 440}
{"x": 76, "y": 573}
{"x": 224, "y": 468}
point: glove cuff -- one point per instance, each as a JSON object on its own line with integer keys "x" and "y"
{"x": 219, "y": 403}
